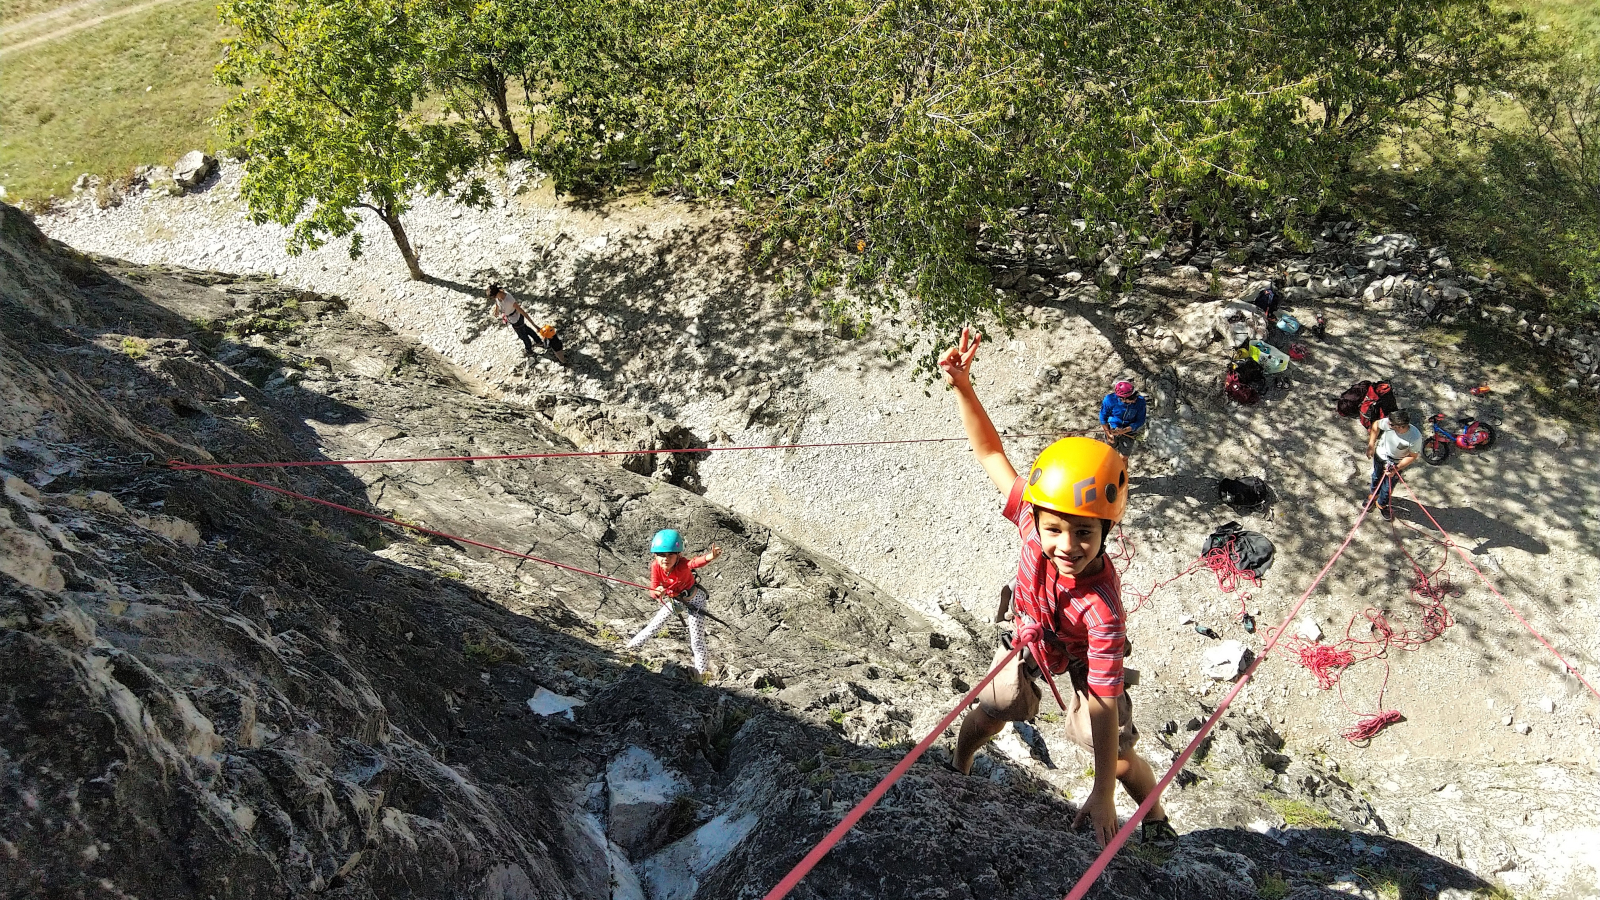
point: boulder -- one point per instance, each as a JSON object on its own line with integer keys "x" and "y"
{"x": 1225, "y": 661}
{"x": 643, "y": 791}
{"x": 193, "y": 169}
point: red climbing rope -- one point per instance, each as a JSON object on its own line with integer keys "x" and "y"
{"x": 854, "y": 815}
{"x": 1122, "y": 835}
{"x": 418, "y": 528}
{"x": 1327, "y": 662}
{"x": 181, "y": 466}
{"x": 1222, "y": 561}
{"x": 1460, "y": 551}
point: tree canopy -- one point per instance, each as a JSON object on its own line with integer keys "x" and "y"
{"x": 327, "y": 114}
{"x": 870, "y": 137}
{"x": 868, "y": 141}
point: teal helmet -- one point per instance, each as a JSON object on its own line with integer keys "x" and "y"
{"x": 666, "y": 541}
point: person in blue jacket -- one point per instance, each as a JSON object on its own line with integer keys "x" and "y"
{"x": 1122, "y": 415}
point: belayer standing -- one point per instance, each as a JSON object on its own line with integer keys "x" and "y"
{"x": 1393, "y": 443}
{"x": 1068, "y": 603}
{"x": 512, "y": 313}
{"x": 673, "y": 585}
{"x": 1122, "y": 415}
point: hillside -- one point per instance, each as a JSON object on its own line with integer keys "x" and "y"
{"x": 674, "y": 340}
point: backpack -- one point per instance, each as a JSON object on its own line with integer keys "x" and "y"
{"x": 1249, "y": 549}
{"x": 1243, "y": 493}
{"x": 1349, "y": 403}
{"x": 1378, "y": 403}
{"x": 1235, "y": 389}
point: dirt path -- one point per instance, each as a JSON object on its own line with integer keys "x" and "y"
{"x": 72, "y": 28}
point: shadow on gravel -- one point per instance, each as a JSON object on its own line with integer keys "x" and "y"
{"x": 1487, "y": 501}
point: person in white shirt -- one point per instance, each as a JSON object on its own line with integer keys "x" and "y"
{"x": 512, "y": 313}
{"x": 1393, "y": 443}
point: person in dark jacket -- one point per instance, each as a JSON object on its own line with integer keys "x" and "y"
{"x": 1122, "y": 416}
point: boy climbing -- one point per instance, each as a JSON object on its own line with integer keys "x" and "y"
{"x": 1068, "y": 603}
{"x": 673, "y": 585}
{"x": 1122, "y": 415}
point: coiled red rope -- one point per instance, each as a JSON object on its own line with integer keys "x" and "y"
{"x": 1328, "y": 662}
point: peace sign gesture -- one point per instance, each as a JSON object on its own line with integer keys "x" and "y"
{"x": 957, "y": 361}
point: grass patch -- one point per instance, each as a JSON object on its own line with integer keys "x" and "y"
{"x": 1502, "y": 358}
{"x": 135, "y": 347}
{"x": 1272, "y": 886}
{"x": 484, "y": 647}
{"x": 1390, "y": 884}
{"x": 78, "y": 104}
{"x": 1301, "y": 815}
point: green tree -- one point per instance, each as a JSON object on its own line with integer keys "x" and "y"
{"x": 871, "y": 140}
{"x": 327, "y": 115}
{"x": 476, "y": 50}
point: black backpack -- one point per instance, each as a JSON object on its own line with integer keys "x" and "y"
{"x": 1243, "y": 493}
{"x": 1349, "y": 403}
{"x": 1250, "y": 549}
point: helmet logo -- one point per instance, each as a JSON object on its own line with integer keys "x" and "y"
{"x": 1084, "y": 492}
{"x": 1037, "y": 474}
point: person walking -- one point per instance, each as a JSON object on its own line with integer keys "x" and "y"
{"x": 512, "y": 313}
{"x": 1393, "y": 444}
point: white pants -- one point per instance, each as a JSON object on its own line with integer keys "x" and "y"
{"x": 689, "y": 608}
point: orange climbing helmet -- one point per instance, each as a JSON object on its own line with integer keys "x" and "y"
{"x": 1079, "y": 476}
{"x": 547, "y": 331}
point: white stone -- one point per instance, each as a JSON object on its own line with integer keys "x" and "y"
{"x": 1309, "y": 629}
{"x": 549, "y": 703}
{"x": 1225, "y": 661}
{"x": 1547, "y": 705}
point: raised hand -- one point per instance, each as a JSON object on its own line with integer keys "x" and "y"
{"x": 957, "y": 361}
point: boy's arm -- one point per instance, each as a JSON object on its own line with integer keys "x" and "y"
{"x": 981, "y": 434}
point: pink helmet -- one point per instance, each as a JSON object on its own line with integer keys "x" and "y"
{"x": 1123, "y": 389}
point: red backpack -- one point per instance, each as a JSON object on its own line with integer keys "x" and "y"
{"x": 1239, "y": 392}
{"x": 1378, "y": 403}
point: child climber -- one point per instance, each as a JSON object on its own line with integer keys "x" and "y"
{"x": 673, "y": 584}
{"x": 1068, "y": 603}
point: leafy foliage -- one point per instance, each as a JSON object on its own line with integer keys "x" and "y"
{"x": 1521, "y": 195}
{"x": 327, "y": 115}
{"x": 870, "y": 139}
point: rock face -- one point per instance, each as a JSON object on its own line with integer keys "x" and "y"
{"x": 209, "y": 689}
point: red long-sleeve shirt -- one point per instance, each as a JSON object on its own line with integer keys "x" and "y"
{"x": 679, "y": 578}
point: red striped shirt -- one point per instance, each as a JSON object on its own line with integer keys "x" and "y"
{"x": 1085, "y": 613}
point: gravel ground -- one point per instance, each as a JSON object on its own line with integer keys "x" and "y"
{"x": 664, "y": 314}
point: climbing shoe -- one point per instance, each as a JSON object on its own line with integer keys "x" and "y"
{"x": 1158, "y": 832}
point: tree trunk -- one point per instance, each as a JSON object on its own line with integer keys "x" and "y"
{"x": 496, "y": 83}
{"x": 400, "y": 240}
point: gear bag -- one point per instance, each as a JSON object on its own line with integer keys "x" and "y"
{"x": 1378, "y": 403}
{"x": 1243, "y": 493}
{"x": 1250, "y": 549}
